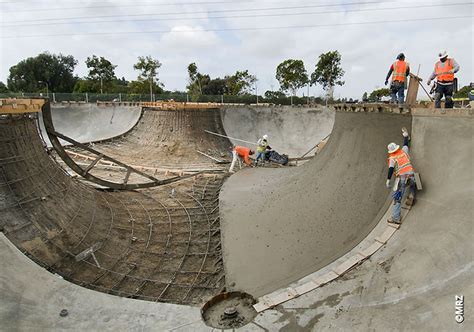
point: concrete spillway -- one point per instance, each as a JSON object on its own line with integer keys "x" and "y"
{"x": 307, "y": 216}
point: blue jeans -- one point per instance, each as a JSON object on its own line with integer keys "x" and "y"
{"x": 260, "y": 155}
{"x": 398, "y": 194}
{"x": 397, "y": 90}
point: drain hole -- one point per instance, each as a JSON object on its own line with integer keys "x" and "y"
{"x": 229, "y": 310}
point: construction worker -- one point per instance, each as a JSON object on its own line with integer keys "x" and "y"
{"x": 444, "y": 73}
{"x": 400, "y": 163}
{"x": 399, "y": 71}
{"x": 242, "y": 152}
{"x": 261, "y": 148}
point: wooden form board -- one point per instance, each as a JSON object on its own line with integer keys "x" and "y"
{"x": 20, "y": 106}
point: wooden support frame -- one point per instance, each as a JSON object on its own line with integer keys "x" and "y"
{"x": 54, "y": 137}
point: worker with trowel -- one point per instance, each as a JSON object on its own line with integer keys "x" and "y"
{"x": 262, "y": 147}
{"x": 399, "y": 71}
{"x": 400, "y": 163}
{"x": 444, "y": 73}
{"x": 242, "y": 152}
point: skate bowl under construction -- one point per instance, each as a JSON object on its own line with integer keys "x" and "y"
{"x": 182, "y": 243}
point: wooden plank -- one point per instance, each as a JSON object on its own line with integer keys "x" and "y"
{"x": 370, "y": 250}
{"x": 20, "y": 106}
{"x": 306, "y": 287}
{"x": 348, "y": 264}
{"x": 419, "y": 186}
{"x": 386, "y": 235}
{"x": 324, "y": 279}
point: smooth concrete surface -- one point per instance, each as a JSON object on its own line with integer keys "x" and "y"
{"x": 291, "y": 130}
{"x": 92, "y": 122}
{"x": 279, "y": 225}
{"x": 411, "y": 284}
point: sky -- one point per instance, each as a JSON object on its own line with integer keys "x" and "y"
{"x": 222, "y": 36}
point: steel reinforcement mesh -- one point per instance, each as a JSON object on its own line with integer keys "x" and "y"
{"x": 160, "y": 244}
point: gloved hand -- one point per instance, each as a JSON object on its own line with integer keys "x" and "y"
{"x": 386, "y": 82}
{"x": 404, "y": 132}
{"x": 387, "y": 184}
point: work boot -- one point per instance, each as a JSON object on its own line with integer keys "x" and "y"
{"x": 394, "y": 221}
{"x": 410, "y": 201}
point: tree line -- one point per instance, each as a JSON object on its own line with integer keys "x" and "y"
{"x": 55, "y": 73}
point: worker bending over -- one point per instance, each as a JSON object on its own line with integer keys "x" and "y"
{"x": 261, "y": 148}
{"x": 444, "y": 73}
{"x": 242, "y": 152}
{"x": 399, "y": 71}
{"x": 399, "y": 161}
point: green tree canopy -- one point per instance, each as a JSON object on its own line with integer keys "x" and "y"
{"x": 463, "y": 92}
{"x": 328, "y": 72}
{"x": 142, "y": 87}
{"x": 274, "y": 94}
{"x": 365, "y": 97}
{"x": 377, "y": 94}
{"x": 240, "y": 83}
{"x": 148, "y": 68}
{"x": 3, "y": 87}
{"x": 101, "y": 70}
{"x": 55, "y": 70}
{"x": 291, "y": 75}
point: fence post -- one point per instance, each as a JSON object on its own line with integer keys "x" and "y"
{"x": 87, "y": 98}
{"x": 187, "y": 98}
{"x": 120, "y": 97}
{"x": 222, "y": 99}
{"x": 54, "y": 97}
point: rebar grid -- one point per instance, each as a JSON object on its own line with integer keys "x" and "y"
{"x": 155, "y": 245}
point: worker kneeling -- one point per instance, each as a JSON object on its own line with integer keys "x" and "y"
{"x": 399, "y": 161}
{"x": 242, "y": 152}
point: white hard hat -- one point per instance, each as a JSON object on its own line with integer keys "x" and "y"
{"x": 442, "y": 54}
{"x": 265, "y": 136}
{"x": 392, "y": 147}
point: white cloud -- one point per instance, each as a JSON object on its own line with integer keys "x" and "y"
{"x": 367, "y": 50}
{"x": 186, "y": 38}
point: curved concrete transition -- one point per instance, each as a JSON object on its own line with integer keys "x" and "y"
{"x": 92, "y": 122}
{"x": 291, "y": 130}
{"x": 178, "y": 244}
{"x": 279, "y": 225}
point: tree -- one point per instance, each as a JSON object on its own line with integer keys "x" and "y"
{"x": 365, "y": 97}
{"x": 197, "y": 81}
{"x": 328, "y": 72}
{"x": 100, "y": 69}
{"x": 240, "y": 83}
{"x": 3, "y": 87}
{"x": 216, "y": 86}
{"x": 377, "y": 94}
{"x": 149, "y": 72}
{"x": 463, "y": 92}
{"x": 291, "y": 75}
{"x": 54, "y": 70}
{"x": 274, "y": 94}
{"x": 142, "y": 87}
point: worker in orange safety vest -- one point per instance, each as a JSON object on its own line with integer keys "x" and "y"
{"x": 444, "y": 73}
{"x": 242, "y": 152}
{"x": 399, "y": 71}
{"x": 399, "y": 162}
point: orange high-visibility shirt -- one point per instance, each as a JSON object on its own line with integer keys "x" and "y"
{"x": 244, "y": 153}
{"x": 399, "y": 71}
{"x": 443, "y": 72}
{"x": 402, "y": 162}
